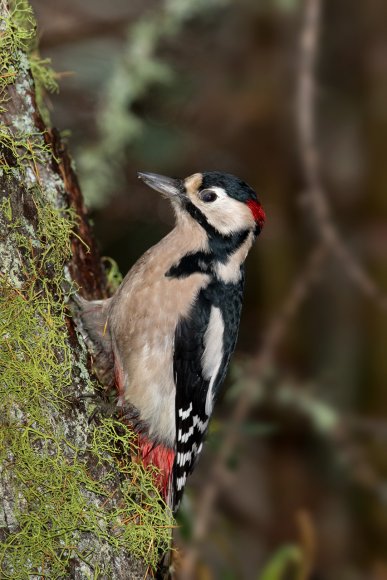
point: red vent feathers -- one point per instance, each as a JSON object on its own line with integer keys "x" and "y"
{"x": 160, "y": 457}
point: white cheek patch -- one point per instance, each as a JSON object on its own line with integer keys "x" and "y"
{"x": 221, "y": 193}
{"x": 226, "y": 214}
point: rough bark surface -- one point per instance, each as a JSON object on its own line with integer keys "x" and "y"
{"x": 44, "y": 421}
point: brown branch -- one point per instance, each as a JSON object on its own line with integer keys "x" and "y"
{"x": 86, "y": 267}
{"x": 315, "y": 195}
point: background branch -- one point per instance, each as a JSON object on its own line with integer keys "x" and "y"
{"x": 331, "y": 242}
{"x": 315, "y": 196}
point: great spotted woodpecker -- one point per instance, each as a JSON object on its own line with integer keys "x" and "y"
{"x": 167, "y": 334}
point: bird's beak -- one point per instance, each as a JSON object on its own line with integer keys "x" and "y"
{"x": 166, "y": 185}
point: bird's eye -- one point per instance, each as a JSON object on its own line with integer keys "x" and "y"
{"x": 207, "y": 195}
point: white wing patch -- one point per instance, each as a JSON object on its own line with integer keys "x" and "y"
{"x": 226, "y": 214}
{"x": 183, "y": 458}
{"x": 201, "y": 425}
{"x": 213, "y": 352}
{"x": 183, "y": 437}
{"x": 185, "y": 414}
{"x": 180, "y": 483}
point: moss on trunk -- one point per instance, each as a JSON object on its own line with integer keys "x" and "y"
{"x": 73, "y": 503}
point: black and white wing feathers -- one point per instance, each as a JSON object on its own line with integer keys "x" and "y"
{"x": 204, "y": 342}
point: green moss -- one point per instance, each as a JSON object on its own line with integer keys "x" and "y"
{"x": 18, "y": 39}
{"x": 113, "y": 274}
{"x": 66, "y": 487}
{"x": 141, "y": 521}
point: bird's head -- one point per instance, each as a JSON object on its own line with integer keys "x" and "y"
{"x": 221, "y": 203}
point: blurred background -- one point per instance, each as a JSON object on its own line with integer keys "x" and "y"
{"x": 179, "y": 86}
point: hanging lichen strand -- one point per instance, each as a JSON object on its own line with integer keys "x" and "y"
{"x": 67, "y": 486}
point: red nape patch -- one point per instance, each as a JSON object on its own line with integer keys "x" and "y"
{"x": 162, "y": 458}
{"x": 257, "y": 211}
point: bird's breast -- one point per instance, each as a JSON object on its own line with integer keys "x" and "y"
{"x": 143, "y": 322}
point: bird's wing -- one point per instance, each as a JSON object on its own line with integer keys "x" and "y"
{"x": 204, "y": 342}
{"x": 191, "y": 392}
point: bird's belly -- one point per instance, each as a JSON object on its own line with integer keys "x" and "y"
{"x": 149, "y": 386}
{"x": 144, "y": 331}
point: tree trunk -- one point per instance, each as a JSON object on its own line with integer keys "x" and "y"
{"x": 73, "y": 504}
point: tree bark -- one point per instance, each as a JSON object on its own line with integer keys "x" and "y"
{"x": 71, "y": 505}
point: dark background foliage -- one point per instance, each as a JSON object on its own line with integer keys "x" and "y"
{"x": 179, "y": 87}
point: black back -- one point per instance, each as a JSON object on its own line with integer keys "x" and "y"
{"x": 191, "y": 386}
